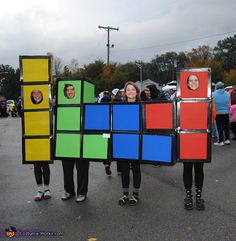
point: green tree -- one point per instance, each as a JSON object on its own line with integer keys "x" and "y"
{"x": 162, "y": 67}
{"x": 9, "y": 82}
{"x": 225, "y": 52}
{"x": 230, "y": 77}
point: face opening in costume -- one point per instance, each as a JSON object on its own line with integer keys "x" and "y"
{"x": 36, "y": 97}
{"x": 69, "y": 91}
{"x": 193, "y": 82}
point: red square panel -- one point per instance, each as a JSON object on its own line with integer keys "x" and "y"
{"x": 159, "y": 116}
{"x": 193, "y": 146}
{"x": 194, "y": 115}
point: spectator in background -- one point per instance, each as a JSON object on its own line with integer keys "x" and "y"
{"x": 154, "y": 93}
{"x": 232, "y": 115}
{"x": 116, "y": 95}
{"x": 221, "y": 99}
{"x": 233, "y": 95}
{"x": 106, "y": 97}
{"x": 19, "y": 107}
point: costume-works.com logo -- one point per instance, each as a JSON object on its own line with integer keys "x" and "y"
{"x": 10, "y": 232}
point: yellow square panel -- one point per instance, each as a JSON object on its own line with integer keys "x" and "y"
{"x": 37, "y": 123}
{"x": 28, "y": 96}
{"x": 35, "y": 70}
{"x": 37, "y": 150}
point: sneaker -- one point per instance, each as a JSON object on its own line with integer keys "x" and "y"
{"x": 47, "y": 194}
{"x": 134, "y": 200}
{"x": 219, "y": 143}
{"x": 39, "y": 196}
{"x": 80, "y": 198}
{"x": 66, "y": 196}
{"x": 123, "y": 200}
{"x": 108, "y": 170}
{"x": 227, "y": 142}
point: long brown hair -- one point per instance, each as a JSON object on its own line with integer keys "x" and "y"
{"x": 137, "y": 89}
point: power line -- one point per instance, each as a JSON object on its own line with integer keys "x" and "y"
{"x": 179, "y": 42}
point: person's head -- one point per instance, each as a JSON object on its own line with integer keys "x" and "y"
{"x": 131, "y": 92}
{"x": 219, "y": 85}
{"x": 193, "y": 82}
{"x": 69, "y": 91}
{"x": 36, "y": 96}
{"x": 147, "y": 93}
{"x": 143, "y": 95}
{"x": 115, "y": 93}
{"x": 154, "y": 92}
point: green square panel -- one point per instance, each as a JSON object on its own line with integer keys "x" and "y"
{"x": 95, "y": 146}
{"x": 88, "y": 92}
{"x": 67, "y": 145}
{"x": 62, "y": 99}
{"x": 68, "y": 118}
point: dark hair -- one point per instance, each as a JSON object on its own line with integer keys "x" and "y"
{"x": 137, "y": 89}
{"x": 65, "y": 88}
{"x": 155, "y": 93}
{"x": 32, "y": 98}
{"x": 143, "y": 95}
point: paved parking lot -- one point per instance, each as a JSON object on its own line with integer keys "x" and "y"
{"x": 159, "y": 216}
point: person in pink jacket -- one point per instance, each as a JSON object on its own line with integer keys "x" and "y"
{"x": 232, "y": 116}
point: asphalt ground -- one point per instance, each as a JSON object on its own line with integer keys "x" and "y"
{"x": 160, "y": 214}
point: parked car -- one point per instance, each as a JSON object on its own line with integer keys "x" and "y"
{"x": 227, "y": 88}
{"x": 169, "y": 86}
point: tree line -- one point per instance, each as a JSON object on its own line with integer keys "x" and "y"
{"x": 161, "y": 69}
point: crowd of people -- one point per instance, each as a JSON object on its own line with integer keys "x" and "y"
{"x": 7, "y": 108}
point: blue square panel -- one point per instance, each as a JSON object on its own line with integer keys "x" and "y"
{"x": 125, "y": 146}
{"x": 157, "y": 148}
{"x": 126, "y": 117}
{"x": 97, "y": 117}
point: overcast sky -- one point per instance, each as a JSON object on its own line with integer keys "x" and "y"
{"x": 69, "y": 28}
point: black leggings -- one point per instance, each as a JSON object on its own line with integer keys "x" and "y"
{"x": 125, "y": 175}
{"x": 42, "y": 173}
{"x": 188, "y": 175}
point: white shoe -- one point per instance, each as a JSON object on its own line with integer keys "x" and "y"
{"x": 80, "y": 198}
{"x": 227, "y": 142}
{"x": 47, "y": 194}
{"x": 219, "y": 143}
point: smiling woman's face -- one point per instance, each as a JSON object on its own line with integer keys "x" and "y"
{"x": 131, "y": 93}
{"x": 193, "y": 82}
{"x": 37, "y": 96}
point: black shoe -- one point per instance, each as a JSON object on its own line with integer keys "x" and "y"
{"x": 188, "y": 203}
{"x": 200, "y": 204}
{"x": 108, "y": 170}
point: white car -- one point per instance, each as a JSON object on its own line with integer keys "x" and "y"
{"x": 170, "y": 86}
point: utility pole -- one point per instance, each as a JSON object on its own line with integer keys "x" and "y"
{"x": 108, "y": 29}
{"x": 139, "y": 65}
